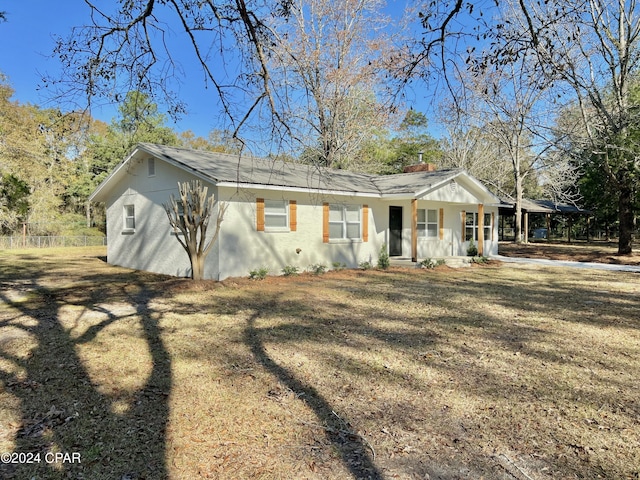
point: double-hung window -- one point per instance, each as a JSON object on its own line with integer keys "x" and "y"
{"x": 471, "y": 226}
{"x": 276, "y": 214}
{"x": 345, "y": 222}
{"x": 427, "y": 223}
{"x": 129, "y": 218}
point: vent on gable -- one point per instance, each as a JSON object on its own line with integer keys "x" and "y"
{"x": 151, "y": 164}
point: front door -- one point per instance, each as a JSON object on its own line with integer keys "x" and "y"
{"x": 395, "y": 231}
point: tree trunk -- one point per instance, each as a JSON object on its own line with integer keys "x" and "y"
{"x": 87, "y": 210}
{"x": 197, "y": 267}
{"x": 518, "y": 207}
{"x": 625, "y": 216}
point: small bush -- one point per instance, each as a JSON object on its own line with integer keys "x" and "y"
{"x": 317, "y": 268}
{"x": 366, "y": 265}
{"x": 480, "y": 260}
{"x": 259, "y": 274}
{"x": 290, "y": 270}
{"x": 472, "y": 251}
{"x": 337, "y": 266}
{"x": 383, "y": 258}
{"x": 430, "y": 263}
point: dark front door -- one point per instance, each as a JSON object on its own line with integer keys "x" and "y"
{"x": 395, "y": 231}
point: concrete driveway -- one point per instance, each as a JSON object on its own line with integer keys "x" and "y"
{"x": 563, "y": 263}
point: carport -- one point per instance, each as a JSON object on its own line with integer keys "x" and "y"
{"x": 540, "y": 207}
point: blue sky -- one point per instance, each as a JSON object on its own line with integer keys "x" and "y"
{"x": 25, "y": 56}
{"x": 27, "y": 42}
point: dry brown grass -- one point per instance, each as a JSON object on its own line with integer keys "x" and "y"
{"x": 599, "y": 252}
{"x": 489, "y": 372}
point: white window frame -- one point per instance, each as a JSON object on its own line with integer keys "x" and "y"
{"x": 344, "y": 221}
{"x": 424, "y": 223}
{"x": 129, "y": 217}
{"x": 474, "y": 226}
{"x": 270, "y": 217}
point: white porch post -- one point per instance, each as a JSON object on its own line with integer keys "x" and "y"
{"x": 414, "y": 230}
{"x": 480, "y": 229}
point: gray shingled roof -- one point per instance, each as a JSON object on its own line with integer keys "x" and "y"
{"x": 222, "y": 167}
{"x": 542, "y": 206}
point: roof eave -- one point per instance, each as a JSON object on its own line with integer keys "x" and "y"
{"x": 323, "y": 191}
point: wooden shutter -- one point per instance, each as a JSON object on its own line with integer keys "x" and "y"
{"x": 325, "y": 223}
{"x": 365, "y": 223}
{"x": 463, "y": 214}
{"x": 293, "y": 215}
{"x": 260, "y": 214}
{"x": 441, "y": 224}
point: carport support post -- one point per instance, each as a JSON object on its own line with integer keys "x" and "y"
{"x": 526, "y": 227}
{"x": 570, "y": 225}
{"x": 548, "y": 215}
{"x": 414, "y": 230}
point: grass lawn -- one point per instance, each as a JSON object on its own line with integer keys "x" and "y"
{"x": 495, "y": 372}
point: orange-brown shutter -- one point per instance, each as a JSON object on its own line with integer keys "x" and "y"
{"x": 325, "y": 223}
{"x": 441, "y": 222}
{"x": 260, "y": 214}
{"x": 365, "y": 223}
{"x": 463, "y": 214}
{"x": 293, "y": 215}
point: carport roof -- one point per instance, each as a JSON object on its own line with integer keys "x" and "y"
{"x": 542, "y": 206}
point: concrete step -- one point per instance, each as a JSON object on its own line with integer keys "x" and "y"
{"x": 453, "y": 262}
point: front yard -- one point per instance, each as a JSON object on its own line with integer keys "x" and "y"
{"x": 497, "y": 372}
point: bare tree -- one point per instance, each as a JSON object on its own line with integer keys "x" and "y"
{"x": 326, "y": 68}
{"x": 312, "y": 65}
{"x": 135, "y": 46}
{"x": 594, "y": 49}
{"x": 589, "y": 47}
{"x": 190, "y": 215}
{"x": 501, "y": 128}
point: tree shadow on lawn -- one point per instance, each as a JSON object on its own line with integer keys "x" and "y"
{"x": 354, "y": 452}
{"x": 331, "y": 326}
{"x": 61, "y": 409}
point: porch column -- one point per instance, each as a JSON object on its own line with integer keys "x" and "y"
{"x": 480, "y": 229}
{"x": 414, "y": 230}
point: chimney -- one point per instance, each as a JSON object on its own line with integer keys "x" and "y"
{"x": 420, "y": 166}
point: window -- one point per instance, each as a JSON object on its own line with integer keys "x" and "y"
{"x": 344, "y": 222}
{"x": 471, "y": 226}
{"x": 427, "y": 223}
{"x": 151, "y": 166}
{"x": 487, "y": 226}
{"x": 276, "y": 215}
{"x": 129, "y": 218}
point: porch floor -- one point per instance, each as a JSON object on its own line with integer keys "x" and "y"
{"x": 453, "y": 262}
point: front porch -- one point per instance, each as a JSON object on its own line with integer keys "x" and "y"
{"x": 453, "y": 262}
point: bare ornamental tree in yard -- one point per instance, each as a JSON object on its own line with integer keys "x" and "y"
{"x": 190, "y": 214}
